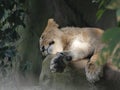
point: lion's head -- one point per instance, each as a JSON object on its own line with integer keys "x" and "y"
{"x": 50, "y": 40}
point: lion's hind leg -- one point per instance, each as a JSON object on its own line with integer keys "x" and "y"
{"x": 93, "y": 71}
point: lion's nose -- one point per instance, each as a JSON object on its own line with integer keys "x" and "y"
{"x": 43, "y": 48}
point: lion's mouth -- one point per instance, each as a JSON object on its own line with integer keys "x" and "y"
{"x": 46, "y": 51}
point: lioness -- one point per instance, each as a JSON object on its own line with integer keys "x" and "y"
{"x": 71, "y": 45}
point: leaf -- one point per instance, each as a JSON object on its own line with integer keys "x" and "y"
{"x": 101, "y": 3}
{"x": 111, "y": 35}
{"x": 100, "y": 13}
{"x": 112, "y": 49}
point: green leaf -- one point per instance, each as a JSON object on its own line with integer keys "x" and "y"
{"x": 112, "y": 49}
{"x": 100, "y": 13}
{"x": 101, "y": 3}
{"x": 111, "y": 35}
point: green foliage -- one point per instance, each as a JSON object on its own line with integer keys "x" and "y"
{"x": 11, "y": 17}
{"x": 111, "y": 52}
{"x": 100, "y": 13}
{"x": 102, "y": 7}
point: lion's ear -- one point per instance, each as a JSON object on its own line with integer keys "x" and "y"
{"x": 52, "y": 23}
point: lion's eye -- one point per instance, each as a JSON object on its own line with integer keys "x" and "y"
{"x": 52, "y": 42}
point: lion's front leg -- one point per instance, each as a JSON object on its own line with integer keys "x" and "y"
{"x": 59, "y": 62}
{"x": 93, "y": 71}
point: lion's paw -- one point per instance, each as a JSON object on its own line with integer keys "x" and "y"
{"x": 59, "y": 62}
{"x": 93, "y": 72}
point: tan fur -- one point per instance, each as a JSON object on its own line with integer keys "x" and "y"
{"x": 74, "y": 41}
